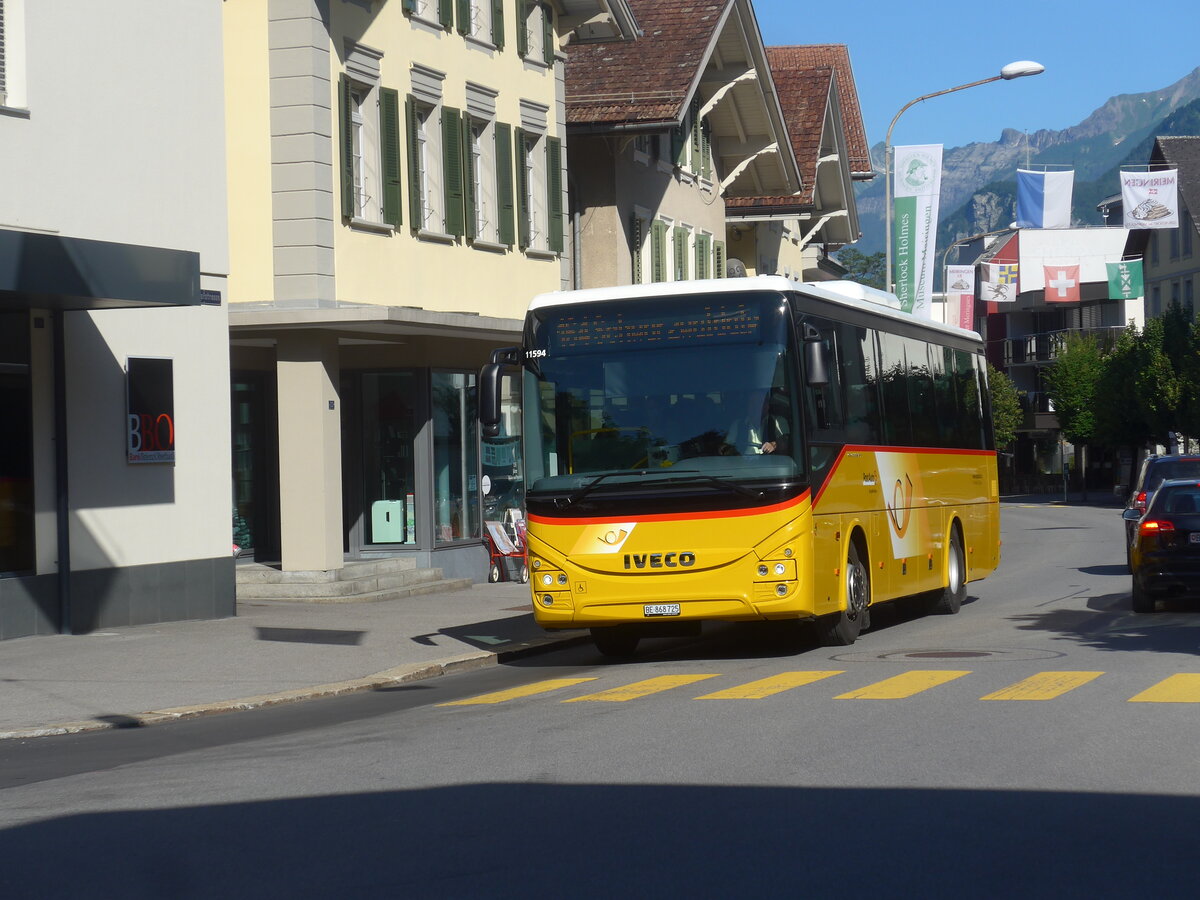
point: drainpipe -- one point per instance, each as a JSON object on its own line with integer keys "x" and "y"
{"x": 62, "y": 499}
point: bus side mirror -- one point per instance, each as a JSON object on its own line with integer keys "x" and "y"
{"x": 814, "y": 358}
{"x": 489, "y": 399}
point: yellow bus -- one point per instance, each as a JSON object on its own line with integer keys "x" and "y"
{"x": 747, "y": 449}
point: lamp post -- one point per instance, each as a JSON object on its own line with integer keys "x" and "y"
{"x": 1013, "y": 70}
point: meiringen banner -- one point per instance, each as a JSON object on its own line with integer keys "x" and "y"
{"x": 960, "y": 283}
{"x": 917, "y": 176}
{"x": 1151, "y": 199}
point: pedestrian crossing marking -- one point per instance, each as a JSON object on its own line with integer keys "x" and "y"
{"x": 528, "y": 690}
{"x": 641, "y": 688}
{"x": 1181, "y": 688}
{"x": 1043, "y": 686}
{"x": 767, "y": 687}
{"x": 900, "y": 686}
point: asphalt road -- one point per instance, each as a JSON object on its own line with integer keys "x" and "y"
{"x": 1038, "y": 744}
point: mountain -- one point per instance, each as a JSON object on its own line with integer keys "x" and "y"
{"x": 979, "y": 179}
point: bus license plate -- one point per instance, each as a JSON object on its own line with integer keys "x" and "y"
{"x": 661, "y": 609}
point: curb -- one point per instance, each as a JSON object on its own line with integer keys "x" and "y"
{"x": 465, "y": 662}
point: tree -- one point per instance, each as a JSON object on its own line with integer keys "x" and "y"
{"x": 864, "y": 269}
{"x": 1006, "y": 406}
{"x": 1071, "y": 384}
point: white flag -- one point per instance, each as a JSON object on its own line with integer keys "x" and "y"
{"x": 1151, "y": 199}
{"x": 1000, "y": 283}
{"x": 917, "y": 177}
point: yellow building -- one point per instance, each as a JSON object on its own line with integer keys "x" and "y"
{"x": 397, "y": 194}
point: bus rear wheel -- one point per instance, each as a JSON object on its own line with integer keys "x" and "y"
{"x": 615, "y": 642}
{"x": 843, "y": 628}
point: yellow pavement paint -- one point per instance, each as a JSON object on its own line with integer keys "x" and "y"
{"x": 906, "y": 685}
{"x": 1043, "y": 686}
{"x": 641, "y": 688}
{"x": 528, "y": 690}
{"x": 1182, "y": 688}
{"x": 767, "y": 687}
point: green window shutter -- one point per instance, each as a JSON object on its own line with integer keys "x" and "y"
{"x": 498, "y": 23}
{"x": 554, "y": 191}
{"x": 658, "y": 250}
{"x": 681, "y": 260}
{"x": 452, "y": 170}
{"x": 522, "y": 28}
{"x": 702, "y": 255}
{"x": 347, "y": 136}
{"x": 706, "y": 149}
{"x": 446, "y": 13}
{"x": 464, "y": 16}
{"x": 678, "y": 146}
{"x": 718, "y": 259}
{"x": 635, "y": 243}
{"x": 470, "y": 201}
{"x": 547, "y": 34}
{"x": 416, "y": 214}
{"x": 389, "y": 130}
{"x": 519, "y": 154}
{"x": 695, "y": 132}
{"x": 504, "y": 184}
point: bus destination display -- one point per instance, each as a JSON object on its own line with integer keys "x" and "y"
{"x": 583, "y": 330}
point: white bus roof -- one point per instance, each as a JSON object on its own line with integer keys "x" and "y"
{"x": 844, "y": 293}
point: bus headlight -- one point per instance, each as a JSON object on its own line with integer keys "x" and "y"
{"x": 762, "y": 570}
{"x": 547, "y": 600}
{"x": 562, "y": 577}
{"x": 547, "y": 579}
{"x": 780, "y": 569}
{"x": 781, "y": 590}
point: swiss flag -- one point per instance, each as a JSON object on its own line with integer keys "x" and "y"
{"x": 1062, "y": 284}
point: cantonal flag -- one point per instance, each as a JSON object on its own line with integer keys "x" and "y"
{"x": 1000, "y": 284}
{"x": 1125, "y": 279}
{"x": 1062, "y": 284}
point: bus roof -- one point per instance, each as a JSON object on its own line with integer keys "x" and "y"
{"x": 844, "y": 293}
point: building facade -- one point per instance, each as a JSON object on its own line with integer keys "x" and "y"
{"x": 114, "y": 354}
{"x": 397, "y": 177}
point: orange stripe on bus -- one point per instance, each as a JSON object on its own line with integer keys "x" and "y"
{"x": 673, "y": 517}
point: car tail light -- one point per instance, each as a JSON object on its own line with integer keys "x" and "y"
{"x": 1140, "y": 501}
{"x": 1155, "y": 526}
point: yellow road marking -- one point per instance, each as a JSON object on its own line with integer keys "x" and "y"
{"x": 1182, "y": 688}
{"x": 767, "y": 687}
{"x": 1043, "y": 686}
{"x": 528, "y": 690}
{"x": 641, "y": 688}
{"x": 901, "y": 686}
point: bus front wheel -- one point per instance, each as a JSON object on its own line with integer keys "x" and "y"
{"x": 949, "y": 599}
{"x": 843, "y": 628}
{"x": 615, "y": 642}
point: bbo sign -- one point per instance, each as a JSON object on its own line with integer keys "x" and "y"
{"x": 150, "y": 404}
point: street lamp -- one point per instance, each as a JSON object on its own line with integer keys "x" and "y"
{"x": 1013, "y": 70}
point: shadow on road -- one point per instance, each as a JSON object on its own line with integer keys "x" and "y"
{"x": 1108, "y": 623}
{"x": 639, "y": 840}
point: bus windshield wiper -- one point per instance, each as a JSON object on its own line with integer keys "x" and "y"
{"x": 691, "y": 476}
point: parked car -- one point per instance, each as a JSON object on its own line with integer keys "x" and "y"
{"x": 1155, "y": 470}
{"x": 1165, "y": 553}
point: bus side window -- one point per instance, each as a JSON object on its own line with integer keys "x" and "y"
{"x": 897, "y": 426}
{"x": 950, "y": 430}
{"x": 858, "y": 376}
{"x": 920, "y": 394}
{"x": 824, "y": 407}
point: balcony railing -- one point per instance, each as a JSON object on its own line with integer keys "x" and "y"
{"x": 1046, "y": 346}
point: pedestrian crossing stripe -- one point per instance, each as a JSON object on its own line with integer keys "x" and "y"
{"x": 1043, "y": 686}
{"x": 768, "y": 687}
{"x": 901, "y": 686}
{"x": 527, "y": 690}
{"x": 641, "y": 688}
{"x": 1181, "y": 688}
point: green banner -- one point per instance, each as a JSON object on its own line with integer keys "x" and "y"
{"x": 905, "y": 247}
{"x": 1125, "y": 279}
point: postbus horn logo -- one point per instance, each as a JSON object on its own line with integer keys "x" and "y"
{"x": 900, "y": 509}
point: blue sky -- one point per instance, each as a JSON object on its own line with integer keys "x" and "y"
{"x": 1092, "y": 50}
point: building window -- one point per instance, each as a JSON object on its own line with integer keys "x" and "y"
{"x": 370, "y": 140}
{"x": 680, "y": 240}
{"x": 455, "y": 458}
{"x": 16, "y": 445}
{"x": 658, "y": 250}
{"x": 390, "y": 430}
{"x": 12, "y": 54}
{"x": 440, "y": 12}
{"x": 539, "y": 191}
{"x": 535, "y": 31}
{"x": 435, "y": 163}
{"x": 482, "y": 20}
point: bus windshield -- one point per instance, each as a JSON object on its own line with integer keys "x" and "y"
{"x": 696, "y": 390}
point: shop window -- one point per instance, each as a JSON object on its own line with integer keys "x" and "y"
{"x": 389, "y": 432}
{"x": 16, "y": 449}
{"x": 455, "y": 458}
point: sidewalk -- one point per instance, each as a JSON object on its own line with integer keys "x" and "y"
{"x": 271, "y": 652}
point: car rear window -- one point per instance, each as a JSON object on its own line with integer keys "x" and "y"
{"x": 1178, "y": 499}
{"x": 1175, "y": 468}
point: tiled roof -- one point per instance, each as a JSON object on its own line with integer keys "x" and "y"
{"x": 836, "y": 57}
{"x": 804, "y": 96}
{"x": 1183, "y": 153}
{"x": 646, "y": 80}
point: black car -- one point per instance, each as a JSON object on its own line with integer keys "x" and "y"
{"x": 1155, "y": 470}
{"x": 1165, "y": 553}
